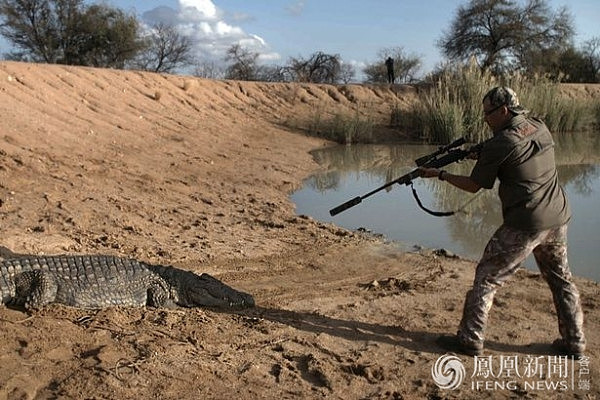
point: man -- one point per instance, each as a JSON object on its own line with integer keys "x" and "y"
{"x": 535, "y": 215}
{"x": 389, "y": 63}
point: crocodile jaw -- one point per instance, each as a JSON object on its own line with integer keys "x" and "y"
{"x": 204, "y": 290}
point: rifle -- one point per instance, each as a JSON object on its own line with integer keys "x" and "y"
{"x": 441, "y": 157}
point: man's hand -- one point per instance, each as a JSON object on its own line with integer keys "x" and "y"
{"x": 460, "y": 181}
{"x": 473, "y": 156}
{"x": 428, "y": 172}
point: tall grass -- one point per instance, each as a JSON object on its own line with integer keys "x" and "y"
{"x": 342, "y": 127}
{"x": 542, "y": 96}
{"x": 452, "y": 106}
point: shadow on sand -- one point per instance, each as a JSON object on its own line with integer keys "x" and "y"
{"x": 420, "y": 341}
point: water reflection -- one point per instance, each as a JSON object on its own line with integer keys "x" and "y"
{"x": 349, "y": 171}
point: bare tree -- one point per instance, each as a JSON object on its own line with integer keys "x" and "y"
{"x": 499, "y": 33}
{"x": 273, "y": 73}
{"x": 347, "y": 73}
{"x": 318, "y": 68}
{"x": 405, "y": 66}
{"x": 209, "y": 70}
{"x": 243, "y": 63}
{"x": 591, "y": 54}
{"x": 166, "y": 50}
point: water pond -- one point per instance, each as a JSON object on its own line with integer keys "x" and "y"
{"x": 350, "y": 171}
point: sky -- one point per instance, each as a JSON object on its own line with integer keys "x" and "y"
{"x": 357, "y": 30}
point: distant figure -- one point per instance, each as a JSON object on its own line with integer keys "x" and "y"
{"x": 389, "y": 63}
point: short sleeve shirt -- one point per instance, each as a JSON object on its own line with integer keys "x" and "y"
{"x": 521, "y": 156}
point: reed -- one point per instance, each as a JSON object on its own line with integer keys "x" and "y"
{"x": 344, "y": 128}
{"x": 542, "y": 96}
{"x": 452, "y": 106}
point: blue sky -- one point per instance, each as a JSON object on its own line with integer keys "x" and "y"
{"x": 355, "y": 29}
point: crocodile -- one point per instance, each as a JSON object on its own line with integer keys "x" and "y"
{"x": 97, "y": 281}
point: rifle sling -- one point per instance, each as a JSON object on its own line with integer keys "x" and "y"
{"x": 434, "y": 213}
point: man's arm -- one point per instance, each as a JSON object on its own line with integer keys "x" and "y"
{"x": 460, "y": 181}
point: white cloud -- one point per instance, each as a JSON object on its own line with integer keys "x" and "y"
{"x": 204, "y": 8}
{"x": 204, "y": 23}
{"x": 223, "y": 29}
{"x": 296, "y": 8}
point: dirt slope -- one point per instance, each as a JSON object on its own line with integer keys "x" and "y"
{"x": 196, "y": 173}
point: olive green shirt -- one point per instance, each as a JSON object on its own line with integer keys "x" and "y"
{"x": 521, "y": 156}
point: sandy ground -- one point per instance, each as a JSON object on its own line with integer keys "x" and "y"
{"x": 196, "y": 174}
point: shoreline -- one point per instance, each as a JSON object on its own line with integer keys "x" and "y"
{"x": 200, "y": 179}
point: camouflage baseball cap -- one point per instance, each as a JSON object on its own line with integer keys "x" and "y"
{"x": 503, "y": 95}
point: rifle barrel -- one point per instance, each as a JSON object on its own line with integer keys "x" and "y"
{"x": 450, "y": 157}
{"x": 345, "y": 206}
{"x": 404, "y": 179}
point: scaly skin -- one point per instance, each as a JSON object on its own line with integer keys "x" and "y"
{"x": 96, "y": 281}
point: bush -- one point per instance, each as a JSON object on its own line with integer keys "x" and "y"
{"x": 340, "y": 127}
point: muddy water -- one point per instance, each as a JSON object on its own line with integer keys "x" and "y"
{"x": 350, "y": 171}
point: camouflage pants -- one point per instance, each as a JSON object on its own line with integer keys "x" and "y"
{"x": 502, "y": 257}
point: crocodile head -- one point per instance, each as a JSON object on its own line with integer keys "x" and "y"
{"x": 204, "y": 290}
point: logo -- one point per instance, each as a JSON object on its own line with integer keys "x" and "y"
{"x": 540, "y": 373}
{"x": 448, "y": 372}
